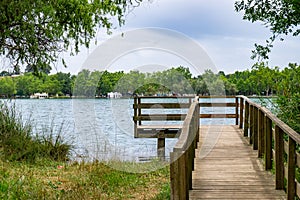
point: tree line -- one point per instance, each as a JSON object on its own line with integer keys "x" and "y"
{"x": 260, "y": 80}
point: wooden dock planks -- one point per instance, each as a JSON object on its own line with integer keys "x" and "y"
{"x": 231, "y": 169}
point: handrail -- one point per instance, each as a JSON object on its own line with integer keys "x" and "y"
{"x": 275, "y": 119}
{"x": 139, "y": 106}
{"x": 263, "y": 129}
{"x": 182, "y": 157}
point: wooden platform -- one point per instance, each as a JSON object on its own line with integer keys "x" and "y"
{"x": 226, "y": 167}
{"x": 158, "y": 131}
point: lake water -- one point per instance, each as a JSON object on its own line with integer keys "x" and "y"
{"x": 99, "y": 128}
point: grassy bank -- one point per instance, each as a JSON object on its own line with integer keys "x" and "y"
{"x": 38, "y": 167}
{"x": 19, "y": 143}
{"x": 56, "y": 180}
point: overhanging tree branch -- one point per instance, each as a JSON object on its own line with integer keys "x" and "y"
{"x": 34, "y": 32}
{"x": 282, "y": 17}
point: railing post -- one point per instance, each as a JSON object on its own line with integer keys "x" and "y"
{"x": 183, "y": 183}
{"x": 291, "y": 186}
{"x": 268, "y": 143}
{"x": 261, "y": 135}
{"x": 178, "y": 175}
{"x": 279, "y": 162}
{"x": 139, "y": 110}
{"x": 255, "y": 128}
{"x": 174, "y": 176}
{"x": 189, "y": 161}
{"x": 241, "y": 112}
{"x": 246, "y": 121}
{"x": 135, "y": 115}
{"x": 251, "y": 124}
{"x": 236, "y": 111}
{"x": 198, "y": 123}
{"x": 161, "y": 146}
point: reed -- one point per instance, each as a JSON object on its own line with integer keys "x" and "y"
{"x": 19, "y": 143}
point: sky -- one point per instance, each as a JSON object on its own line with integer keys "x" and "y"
{"x": 221, "y": 32}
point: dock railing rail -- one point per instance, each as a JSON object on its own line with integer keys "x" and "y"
{"x": 182, "y": 157}
{"x": 139, "y": 106}
{"x": 170, "y": 109}
{"x": 233, "y": 104}
{"x": 276, "y": 143}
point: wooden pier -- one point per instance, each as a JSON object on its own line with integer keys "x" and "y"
{"x": 231, "y": 169}
{"x": 255, "y": 158}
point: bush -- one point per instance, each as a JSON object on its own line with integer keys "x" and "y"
{"x": 289, "y": 110}
{"x": 17, "y": 142}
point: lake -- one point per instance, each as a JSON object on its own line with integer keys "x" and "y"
{"x": 99, "y": 128}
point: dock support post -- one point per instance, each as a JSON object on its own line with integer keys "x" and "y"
{"x": 268, "y": 143}
{"x": 251, "y": 115}
{"x": 261, "y": 135}
{"x": 291, "y": 185}
{"x": 241, "y": 112}
{"x": 279, "y": 160}
{"x": 255, "y": 128}
{"x": 236, "y": 111}
{"x": 139, "y": 110}
{"x": 161, "y": 142}
{"x": 135, "y": 116}
{"x": 246, "y": 119}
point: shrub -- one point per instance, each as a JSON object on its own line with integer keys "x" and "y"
{"x": 17, "y": 142}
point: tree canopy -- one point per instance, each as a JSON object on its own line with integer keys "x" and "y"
{"x": 34, "y": 32}
{"x": 282, "y": 17}
{"x": 260, "y": 80}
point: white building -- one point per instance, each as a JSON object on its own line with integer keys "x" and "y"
{"x": 115, "y": 95}
{"x": 39, "y": 96}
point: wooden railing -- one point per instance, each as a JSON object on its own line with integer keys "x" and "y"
{"x": 182, "y": 157}
{"x": 233, "y": 104}
{"x": 276, "y": 143}
{"x": 141, "y": 131}
{"x": 140, "y": 117}
{"x": 167, "y": 110}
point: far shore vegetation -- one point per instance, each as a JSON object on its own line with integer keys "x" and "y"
{"x": 260, "y": 80}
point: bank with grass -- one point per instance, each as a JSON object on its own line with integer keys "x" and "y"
{"x": 39, "y": 167}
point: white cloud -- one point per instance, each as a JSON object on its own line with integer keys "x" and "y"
{"x": 214, "y": 24}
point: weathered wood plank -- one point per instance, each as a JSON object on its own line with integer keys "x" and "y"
{"x": 231, "y": 170}
{"x": 217, "y": 104}
{"x": 217, "y": 116}
{"x": 279, "y": 160}
{"x": 268, "y": 143}
{"x": 291, "y": 185}
{"x": 154, "y": 131}
{"x": 160, "y": 117}
{"x": 196, "y": 194}
{"x": 161, "y": 105}
{"x": 160, "y": 127}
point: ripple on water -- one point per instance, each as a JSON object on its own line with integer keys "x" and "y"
{"x": 99, "y": 128}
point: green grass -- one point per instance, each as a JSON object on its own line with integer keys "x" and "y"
{"x": 164, "y": 193}
{"x": 95, "y": 180}
{"x": 38, "y": 167}
{"x": 19, "y": 143}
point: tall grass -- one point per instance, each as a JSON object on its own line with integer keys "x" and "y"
{"x": 18, "y": 142}
{"x": 80, "y": 181}
{"x": 53, "y": 178}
